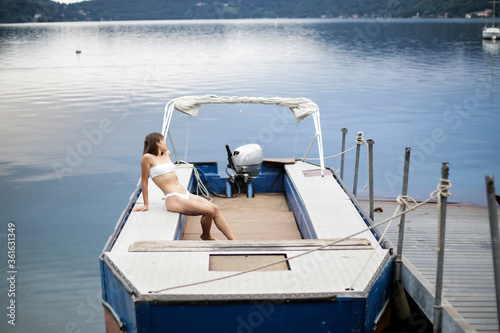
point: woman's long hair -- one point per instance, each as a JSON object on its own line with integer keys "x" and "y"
{"x": 150, "y": 142}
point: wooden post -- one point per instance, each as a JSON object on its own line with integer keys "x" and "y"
{"x": 443, "y": 200}
{"x": 370, "y": 175}
{"x": 344, "y": 132}
{"x": 404, "y": 193}
{"x": 359, "y": 137}
{"x": 401, "y": 306}
{"x": 495, "y": 238}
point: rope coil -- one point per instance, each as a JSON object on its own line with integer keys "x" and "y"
{"x": 359, "y": 139}
{"x": 403, "y": 200}
{"x": 200, "y": 188}
{"x": 443, "y": 187}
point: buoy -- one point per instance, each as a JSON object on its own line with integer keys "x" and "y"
{"x": 78, "y": 51}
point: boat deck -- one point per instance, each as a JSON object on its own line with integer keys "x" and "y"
{"x": 264, "y": 217}
{"x": 468, "y": 287}
{"x": 147, "y": 251}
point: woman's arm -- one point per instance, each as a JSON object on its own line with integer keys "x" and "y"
{"x": 145, "y": 166}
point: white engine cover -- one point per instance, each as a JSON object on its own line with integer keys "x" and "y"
{"x": 248, "y": 158}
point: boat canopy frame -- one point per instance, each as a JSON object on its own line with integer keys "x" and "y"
{"x": 300, "y": 108}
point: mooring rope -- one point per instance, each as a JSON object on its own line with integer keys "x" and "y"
{"x": 200, "y": 188}
{"x": 443, "y": 188}
{"x": 373, "y": 252}
{"x": 443, "y": 191}
{"x": 359, "y": 142}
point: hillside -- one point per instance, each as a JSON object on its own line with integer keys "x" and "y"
{"x": 18, "y": 11}
{"x": 46, "y": 10}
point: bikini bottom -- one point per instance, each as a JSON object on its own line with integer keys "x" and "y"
{"x": 173, "y": 194}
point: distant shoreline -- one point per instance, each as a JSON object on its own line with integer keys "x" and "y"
{"x": 24, "y": 11}
{"x": 343, "y": 20}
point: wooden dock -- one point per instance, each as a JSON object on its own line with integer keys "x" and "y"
{"x": 468, "y": 287}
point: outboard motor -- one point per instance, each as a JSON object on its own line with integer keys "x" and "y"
{"x": 245, "y": 161}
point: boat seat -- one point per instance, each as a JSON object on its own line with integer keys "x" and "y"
{"x": 328, "y": 207}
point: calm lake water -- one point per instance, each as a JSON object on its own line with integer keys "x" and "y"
{"x": 72, "y": 125}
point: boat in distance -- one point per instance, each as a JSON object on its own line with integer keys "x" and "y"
{"x": 492, "y": 32}
{"x": 306, "y": 260}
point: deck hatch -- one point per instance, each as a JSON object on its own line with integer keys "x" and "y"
{"x": 316, "y": 173}
{"x": 244, "y": 262}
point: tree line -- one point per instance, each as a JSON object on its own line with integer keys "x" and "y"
{"x": 17, "y": 11}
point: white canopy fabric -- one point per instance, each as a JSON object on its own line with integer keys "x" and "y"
{"x": 300, "y": 107}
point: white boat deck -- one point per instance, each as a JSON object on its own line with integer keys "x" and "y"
{"x": 330, "y": 209}
{"x": 323, "y": 274}
{"x": 147, "y": 257}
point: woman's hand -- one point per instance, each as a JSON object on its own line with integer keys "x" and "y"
{"x": 141, "y": 209}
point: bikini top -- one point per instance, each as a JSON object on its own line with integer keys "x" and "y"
{"x": 161, "y": 169}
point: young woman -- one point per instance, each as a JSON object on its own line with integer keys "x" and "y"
{"x": 156, "y": 164}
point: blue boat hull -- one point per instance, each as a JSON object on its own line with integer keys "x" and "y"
{"x": 314, "y": 315}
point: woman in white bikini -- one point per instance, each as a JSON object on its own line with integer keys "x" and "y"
{"x": 156, "y": 164}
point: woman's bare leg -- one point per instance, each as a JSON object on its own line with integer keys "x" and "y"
{"x": 206, "y": 224}
{"x": 222, "y": 225}
{"x": 199, "y": 206}
{"x": 218, "y": 218}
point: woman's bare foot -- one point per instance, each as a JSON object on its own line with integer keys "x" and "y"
{"x": 209, "y": 238}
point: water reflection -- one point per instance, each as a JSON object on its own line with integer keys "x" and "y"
{"x": 389, "y": 78}
{"x": 491, "y": 46}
